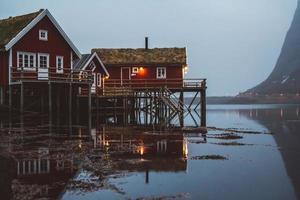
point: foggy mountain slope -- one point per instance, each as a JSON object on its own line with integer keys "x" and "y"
{"x": 285, "y": 77}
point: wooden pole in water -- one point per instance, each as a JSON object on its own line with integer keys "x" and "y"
{"x": 1, "y": 96}
{"x": 90, "y": 107}
{"x": 203, "y": 107}
{"x": 50, "y": 101}
{"x": 70, "y": 102}
{"x": 21, "y": 98}
{"x": 10, "y": 98}
{"x": 181, "y": 118}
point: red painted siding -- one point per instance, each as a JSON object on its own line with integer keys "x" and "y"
{"x": 174, "y": 76}
{"x": 3, "y": 68}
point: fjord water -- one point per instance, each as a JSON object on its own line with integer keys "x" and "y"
{"x": 110, "y": 162}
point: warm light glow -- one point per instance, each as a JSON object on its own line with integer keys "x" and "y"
{"x": 185, "y": 69}
{"x": 185, "y": 148}
{"x": 106, "y": 77}
{"x": 141, "y": 150}
{"x": 141, "y": 71}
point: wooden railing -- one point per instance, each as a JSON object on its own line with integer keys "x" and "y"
{"x": 51, "y": 75}
{"x": 155, "y": 83}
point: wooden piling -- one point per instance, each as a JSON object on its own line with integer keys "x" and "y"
{"x": 10, "y": 98}
{"x": 203, "y": 108}
{"x": 70, "y": 102}
{"x": 21, "y": 97}
{"x": 90, "y": 107}
{"x": 1, "y": 95}
{"x": 181, "y": 113}
{"x": 50, "y": 102}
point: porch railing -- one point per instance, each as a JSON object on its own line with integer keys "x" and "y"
{"x": 51, "y": 75}
{"x": 155, "y": 83}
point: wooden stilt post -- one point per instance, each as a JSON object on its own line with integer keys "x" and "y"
{"x": 50, "y": 102}
{"x": 10, "y": 98}
{"x": 70, "y": 102}
{"x": 151, "y": 108}
{"x": 77, "y": 109}
{"x": 22, "y": 98}
{"x": 97, "y": 108}
{"x": 181, "y": 112}
{"x": 1, "y": 96}
{"x": 90, "y": 107}
{"x": 203, "y": 107}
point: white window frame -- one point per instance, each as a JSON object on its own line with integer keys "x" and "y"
{"x": 135, "y": 70}
{"x": 23, "y": 61}
{"x": 99, "y": 79}
{"x": 60, "y": 71}
{"x": 48, "y": 59}
{"x": 46, "y": 35}
{"x": 159, "y": 76}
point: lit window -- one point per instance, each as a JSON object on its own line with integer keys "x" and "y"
{"x": 26, "y": 61}
{"x": 59, "y": 64}
{"x": 43, "y": 35}
{"x": 135, "y": 70}
{"x": 161, "y": 73}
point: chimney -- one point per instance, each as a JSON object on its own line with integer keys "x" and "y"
{"x": 146, "y": 43}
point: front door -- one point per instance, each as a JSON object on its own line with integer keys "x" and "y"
{"x": 125, "y": 75}
{"x": 43, "y": 66}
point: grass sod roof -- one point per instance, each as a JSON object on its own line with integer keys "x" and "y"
{"x": 142, "y": 56}
{"x": 11, "y": 26}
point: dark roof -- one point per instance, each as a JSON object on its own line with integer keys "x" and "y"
{"x": 142, "y": 56}
{"x": 11, "y": 26}
{"x": 79, "y": 63}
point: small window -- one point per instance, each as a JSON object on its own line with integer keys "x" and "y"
{"x": 43, "y": 35}
{"x": 59, "y": 64}
{"x": 161, "y": 73}
{"x": 43, "y": 61}
{"x": 135, "y": 70}
{"x": 99, "y": 80}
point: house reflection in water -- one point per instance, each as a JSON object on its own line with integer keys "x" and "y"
{"x": 40, "y": 172}
{"x": 163, "y": 152}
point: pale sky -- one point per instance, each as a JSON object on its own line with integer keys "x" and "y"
{"x": 232, "y": 43}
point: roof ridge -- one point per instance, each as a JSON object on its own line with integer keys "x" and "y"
{"x": 24, "y": 15}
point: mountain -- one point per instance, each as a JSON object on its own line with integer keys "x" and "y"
{"x": 285, "y": 78}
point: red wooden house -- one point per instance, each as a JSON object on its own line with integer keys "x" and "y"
{"x": 34, "y": 49}
{"x": 91, "y": 62}
{"x": 144, "y": 68}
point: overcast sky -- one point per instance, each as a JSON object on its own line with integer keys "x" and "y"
{"x": 232, "y": 43}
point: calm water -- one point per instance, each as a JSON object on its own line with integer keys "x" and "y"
{"x": 258, "y": 159}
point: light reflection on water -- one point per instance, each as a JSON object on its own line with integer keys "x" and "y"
{"x": 124, "y": 163}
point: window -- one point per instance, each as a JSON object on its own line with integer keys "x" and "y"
{"x": 26, "y": 61}
{"x": 161, "y": 73}
{"x": 135, "y": 70}
{"x": 43, "y": 35}
{"x": 43, "y": 61}
{"x": 99, "y": 80}
{"x": 92, "y": 66}
{"x": 59, "y": 64}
